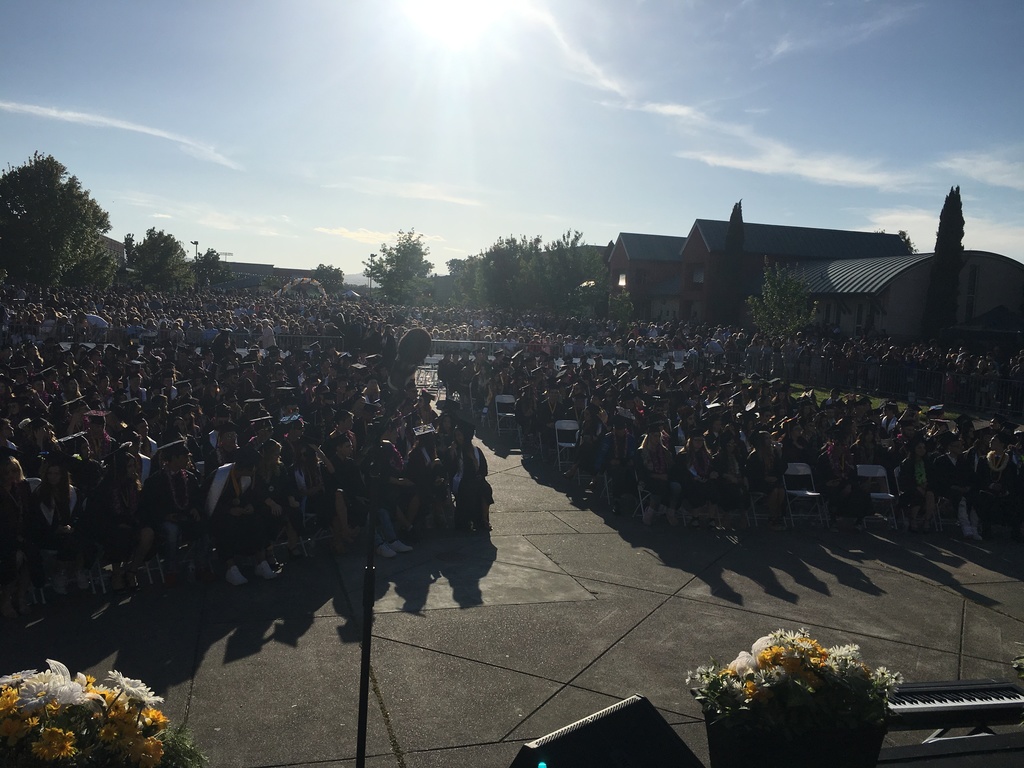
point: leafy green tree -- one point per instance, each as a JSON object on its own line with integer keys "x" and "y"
{"x": 330, "y": 277}
{"x": 160, "y": 262}
{"x": 401, "y": 270}
{"x": 464, "y": 274}
{"x": 904, "y": 236}
{"x": 50, "y": 226}
{"x": 911, "y": 248}
{"x": 943, "y": 295}
{"x": 503, "y": 275}
{"x": 563, "y": 269}
{"x": 517, "y": 273}
{"x": 784, "y": 306}
{"x": 620, "y": 307}
{"x": 211, "y": 270}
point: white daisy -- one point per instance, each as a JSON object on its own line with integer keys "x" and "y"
{"x": 136, "y": 690}
{"x": 18, "y": 677}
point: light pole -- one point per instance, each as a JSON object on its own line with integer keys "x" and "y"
{"x": 196, "y": 262}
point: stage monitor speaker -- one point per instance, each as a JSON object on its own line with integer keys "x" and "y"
{"x": 630, "y": 734}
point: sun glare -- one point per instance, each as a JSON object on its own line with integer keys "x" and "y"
{"x": 454, "y": 24}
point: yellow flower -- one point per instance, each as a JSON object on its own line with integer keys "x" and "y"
{"x": 754, "y": 692}
{"x": 791, "y": 664}
{"x": 15, "y": 728}
{"x": 770, "y": 657}
{"x": 8, "y": 701}
{"x": 147, "y": 752}
{"x": 54, "y": 744}
{"x": 109, "y": 732}
{"x": 154, "y": 717}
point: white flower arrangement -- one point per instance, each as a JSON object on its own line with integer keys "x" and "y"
{"x": 789, "y": 683}
{"x": 53, "y": 717}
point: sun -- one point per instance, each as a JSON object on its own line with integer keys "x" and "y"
{"x": 454, "y": 24}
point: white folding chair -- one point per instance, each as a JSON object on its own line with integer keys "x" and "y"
{"x": 505, "y": 415}
{"x": 802, "y": 498}
{"x": 878, "y": 487}
{"x": 565, "y": 442}
{"x": 758, "y": 509}
{"x": 643, "y": 495}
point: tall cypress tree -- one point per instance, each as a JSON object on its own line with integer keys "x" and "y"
{"x": 733, "y": 265}
{"x": 724, "y": 291}
{"x": 943, "y": 296}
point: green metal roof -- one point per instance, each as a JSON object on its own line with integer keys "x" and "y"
{"x": 856, "y": 275}
{"x": 652, "y": 247}
{"x": 803, "y": 242}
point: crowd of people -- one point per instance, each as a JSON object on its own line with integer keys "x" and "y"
{"x": 115, "y": 453}
{"x": 700, "y": 445}
{"x": 981, "y": 376}
{"x": 240, "y": 423}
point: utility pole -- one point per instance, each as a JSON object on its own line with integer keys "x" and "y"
{"x": 195, "y": 264}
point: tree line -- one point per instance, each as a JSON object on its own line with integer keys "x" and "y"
{"x": 52, "y": 232}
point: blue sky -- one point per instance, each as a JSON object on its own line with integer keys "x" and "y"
{"x": 311, "y": 131}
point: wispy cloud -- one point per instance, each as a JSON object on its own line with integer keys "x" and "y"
{"x": 359, "y": 235}
{"x": 982, "y": 232}
{"x": 262, "y": 225}
{"x": 190, "y": 146}
{"x": 1003, "y": 167}
{"x": 838, "y": 36}
{"x": 369, "y": 236}
{"x": 759, "y": 154}
{"x": 578, "y": 60}
{"x": 413, "y": 190}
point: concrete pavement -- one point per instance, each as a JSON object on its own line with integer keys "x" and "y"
{"x": 483, "y": 643}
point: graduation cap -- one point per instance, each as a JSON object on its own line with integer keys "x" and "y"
{"x": 59, "y": 459}
{"x": 424, "y": 429}
{"x": 173, "y": 448}
{"x": 621, "y": 419}
{"x": 936, "y": 412}
{"x": 96, "y": 417}
{"x": 292, "y": 420}
{"x": 183, "y": 409}
{"x": 450, "y": 406}
{"x": 467, "y": 428}
{"x": 263, "y": 422}
{"x": 253, "y": 401}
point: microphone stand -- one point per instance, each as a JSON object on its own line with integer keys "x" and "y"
{"x": 369, "y": 570}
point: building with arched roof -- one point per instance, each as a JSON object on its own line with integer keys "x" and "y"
{"x": 887, "y": 295}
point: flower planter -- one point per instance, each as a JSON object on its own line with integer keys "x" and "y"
{"x": 739, "y": 747}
